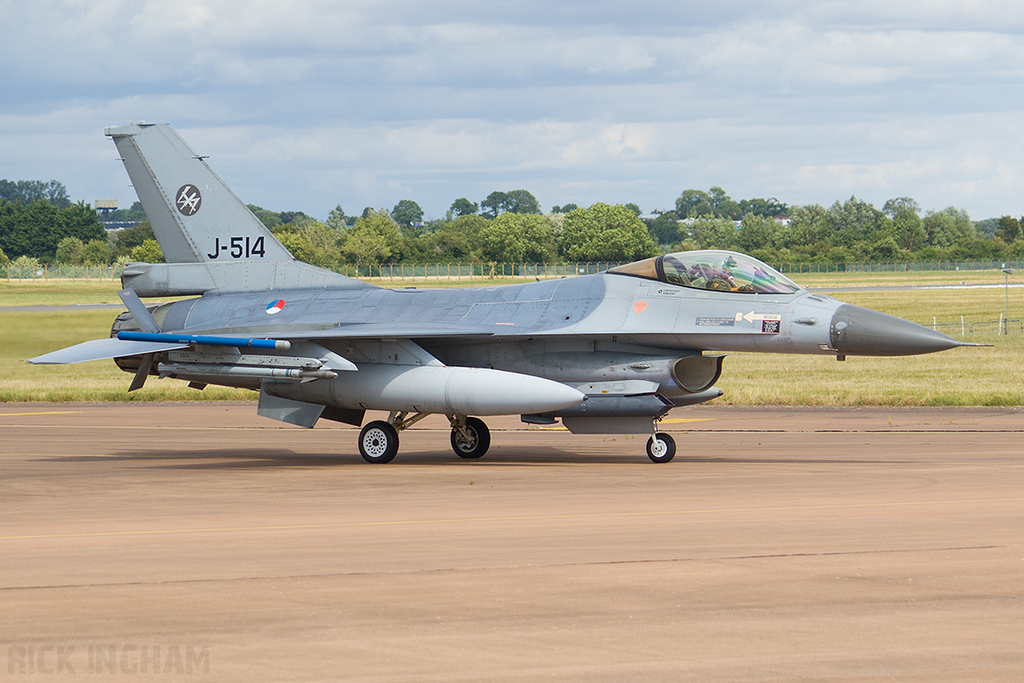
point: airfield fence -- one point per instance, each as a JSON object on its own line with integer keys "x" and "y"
{"x": 980, "y": 328}
{"x": 475, "y": 271}
{"x": 897, "y": 267}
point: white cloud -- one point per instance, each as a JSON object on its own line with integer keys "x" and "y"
{"x": 305, "y": 104}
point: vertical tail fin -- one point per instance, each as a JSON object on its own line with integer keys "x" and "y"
{"x": 211, "y": 240}
{"x": 195, "y": 216}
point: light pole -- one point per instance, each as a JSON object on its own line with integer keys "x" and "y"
{"x": 1006, "y": 320}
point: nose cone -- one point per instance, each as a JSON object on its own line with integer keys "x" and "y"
{"x": 860, "y": 331}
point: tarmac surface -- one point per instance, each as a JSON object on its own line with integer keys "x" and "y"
{"x": 201, "y": 542}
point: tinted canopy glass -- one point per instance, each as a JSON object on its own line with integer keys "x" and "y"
{"x": 722, "y": 271}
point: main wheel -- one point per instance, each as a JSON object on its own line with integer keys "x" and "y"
{"x": 661, "y": 448}
{"x": 478, "y": 442}
{"x": 378, "y": 442}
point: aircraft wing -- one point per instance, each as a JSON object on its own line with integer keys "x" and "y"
{"x": 383, "y": 331}
{"x": 102, "y": 349}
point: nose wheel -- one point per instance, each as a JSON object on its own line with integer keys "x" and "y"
{"x": 470, "y": 437}
{"x": 661, "y": 447}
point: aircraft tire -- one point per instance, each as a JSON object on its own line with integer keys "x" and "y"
{"x": 378, "y": 442}
{"x": 479, "y": 444}
{"x": 662, "y": 451}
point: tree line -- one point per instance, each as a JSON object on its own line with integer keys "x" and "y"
{"x": 37, "y": 221}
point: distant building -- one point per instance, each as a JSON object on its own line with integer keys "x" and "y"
{"x": 105, "y": 206}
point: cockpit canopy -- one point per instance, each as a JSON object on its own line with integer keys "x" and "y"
{"x": 721, "y": 271}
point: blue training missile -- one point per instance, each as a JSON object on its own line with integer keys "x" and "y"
{"x": 205, "y": 340}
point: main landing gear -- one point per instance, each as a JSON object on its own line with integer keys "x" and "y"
{"x": 378, "y": 440}
{"x": 470, "y": 437}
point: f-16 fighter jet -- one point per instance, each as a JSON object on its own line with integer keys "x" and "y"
{"x": 607, "y": 353}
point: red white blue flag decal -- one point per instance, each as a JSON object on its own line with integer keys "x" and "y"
{"x": 275, "y": 307}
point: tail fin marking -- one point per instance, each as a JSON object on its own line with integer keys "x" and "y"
{"x": 195, "y": 216}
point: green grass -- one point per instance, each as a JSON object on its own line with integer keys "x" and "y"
{"x": 938, "y": 277}
{"x": 47, "y": 293}
{"x": 960, "y": 377}
{"x": 25, "y": 335}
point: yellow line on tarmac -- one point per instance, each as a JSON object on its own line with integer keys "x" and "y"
{"x": 596, "y": 515}
{"x": 48, "y": 412}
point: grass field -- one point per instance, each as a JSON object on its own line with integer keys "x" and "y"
{"x": 961, "y": 377}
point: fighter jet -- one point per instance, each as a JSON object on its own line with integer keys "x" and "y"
{"x": 607, "y": 353}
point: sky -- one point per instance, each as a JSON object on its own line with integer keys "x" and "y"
{"x": 309, "y": 105}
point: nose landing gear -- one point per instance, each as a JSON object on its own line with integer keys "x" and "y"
{"x": 661, "y": 447}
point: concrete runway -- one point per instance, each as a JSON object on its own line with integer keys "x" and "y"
{"x": 781, "y": 544}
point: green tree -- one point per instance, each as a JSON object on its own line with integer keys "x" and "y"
{"x": 886, "y": 250}
{"x": 127, "y": 239}
{"x": 715, "y": 202}
{"x": 323, "y": 242}
{"x": 297, "y": 245}
{"x": 458, "y": 240}
{"x": 770, "y": 207}
{"x": 907, "y": 227}
{"x": 1009, "y": 229}
{"x": 30, "y": 191}
{"x": 756, "y": 232}
{"x": 514, "y": 201}
{"x": 711, "y": 232}
{"x": 3, "y": 258}
{"x": 518, "y": 238}
{"x": 521, "y": 201}
{"x": 96, "y": 253}
{"x": 494, "y": 204}
{"x": 665, "y": 229}
{"x": 693, "y": 203}
{"x": 69, "y": 250}
{"x": 407, "y": 213}
{"x": 897, "y": 204}
{"x": 948, "y": 227}
{"x": 852, "y": 221}
{"x": 723, "y": 204}
{"x": 134, "y": 213}
{"x": 268, "y": 218}
{"x": 605, "y": 233}
{"x": 372, "y": 239}
{"x": 37, "y": 228}
{"x": 337, "y": 220}
{"x": 808, "y": 225}
{"x": 148, "y": 252}
{"x": 464, "y": 207}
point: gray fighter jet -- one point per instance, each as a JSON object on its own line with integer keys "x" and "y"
{"x": 606, "y": 353}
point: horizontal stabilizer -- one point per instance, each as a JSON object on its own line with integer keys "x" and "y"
{"x": 103, "y": 349}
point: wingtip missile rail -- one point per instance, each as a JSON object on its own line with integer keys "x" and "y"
{"x": 204, "y": 340}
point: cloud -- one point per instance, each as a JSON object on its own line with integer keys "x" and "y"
{"x": 305, "y": 104}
